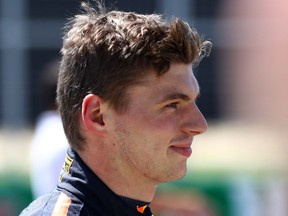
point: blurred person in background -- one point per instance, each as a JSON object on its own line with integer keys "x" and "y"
{"x": 182, "y": 203}
{"x": 126, "y": 94}
{"x": 49, "y": 144}
{"x": 255, "y": 95}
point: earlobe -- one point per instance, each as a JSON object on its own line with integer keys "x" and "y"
{"x": 92, "y": 115}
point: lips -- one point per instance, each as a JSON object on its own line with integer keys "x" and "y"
{"x": 185, "y": 151}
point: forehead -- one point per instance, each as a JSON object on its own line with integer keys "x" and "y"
{"x": 178, "y": 79}
{"x": 179, "y": 76}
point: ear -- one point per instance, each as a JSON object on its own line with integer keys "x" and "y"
{"x": 92, "y": 114}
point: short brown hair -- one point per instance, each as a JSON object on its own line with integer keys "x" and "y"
{"x": 106, "y": 52}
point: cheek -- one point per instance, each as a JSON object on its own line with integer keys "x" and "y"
{"x": 164, "y": 122}
{"x": 157, "y": 132}
{"x": 146, "y": 131}
{"x": 148, "y": 127}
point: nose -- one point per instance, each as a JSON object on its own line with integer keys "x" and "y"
{"x": 195, "y": 122}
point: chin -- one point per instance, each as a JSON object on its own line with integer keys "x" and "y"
{"x": 181, "y": 171}
{"x": 173, "y": 178}
{"x": 179, "y": 174}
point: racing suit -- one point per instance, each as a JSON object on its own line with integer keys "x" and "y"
{"x": 81, "y": 192}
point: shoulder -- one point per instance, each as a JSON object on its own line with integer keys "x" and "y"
{"x": 56, "y": 203}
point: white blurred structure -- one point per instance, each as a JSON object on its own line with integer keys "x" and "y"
{"x": 47, "y": 153}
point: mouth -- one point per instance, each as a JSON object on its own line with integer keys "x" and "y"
{"x": 185, "y": 151}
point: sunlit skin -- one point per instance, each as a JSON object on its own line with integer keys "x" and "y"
{"x": 150, "y": 142}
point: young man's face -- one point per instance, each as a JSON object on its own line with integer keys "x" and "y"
{"x": 156, "y": 131}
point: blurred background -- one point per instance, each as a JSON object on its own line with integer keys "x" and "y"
{"x": 238, "y": 168}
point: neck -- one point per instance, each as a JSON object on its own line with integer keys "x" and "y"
{"x": 122, "y": 178}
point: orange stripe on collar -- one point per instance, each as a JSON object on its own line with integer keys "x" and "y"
{"x": 141, "y": 209}
{"x": 62, "y": 205}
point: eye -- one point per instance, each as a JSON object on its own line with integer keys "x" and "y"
{"x": 174, "y": 105}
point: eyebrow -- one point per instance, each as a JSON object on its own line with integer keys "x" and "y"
{"x": 181, "y": 96}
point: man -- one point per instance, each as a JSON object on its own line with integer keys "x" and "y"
{"x": 126, "y": 94}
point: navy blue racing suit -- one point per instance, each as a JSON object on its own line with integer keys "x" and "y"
{"x": 81, "y": 192}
